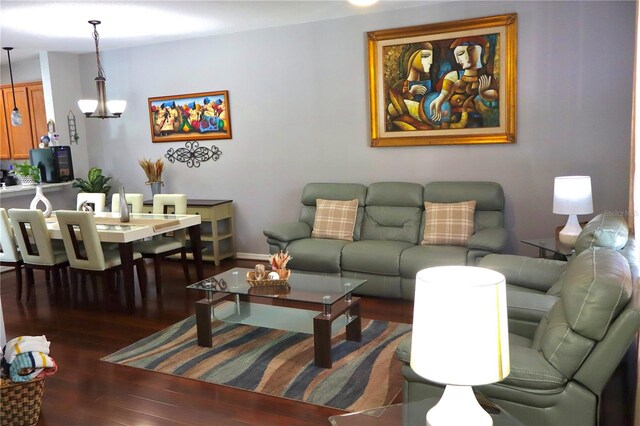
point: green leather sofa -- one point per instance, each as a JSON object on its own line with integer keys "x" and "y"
{"x": 560, "y": 367}
{"x": 386, "y": 249}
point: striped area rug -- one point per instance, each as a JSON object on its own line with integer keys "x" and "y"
{"x": 365, "y": 374}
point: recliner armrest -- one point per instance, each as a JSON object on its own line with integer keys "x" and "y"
{"x": 528, "y": 306}
{"x": 529, "y": 272}
{"x": 289, "y": 231}
{"x": 492, "y": 239}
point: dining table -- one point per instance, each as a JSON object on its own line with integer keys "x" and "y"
{"x": 140, "y": 226}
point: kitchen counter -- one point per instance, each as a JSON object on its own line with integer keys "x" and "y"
{"x": 22, "y": 190}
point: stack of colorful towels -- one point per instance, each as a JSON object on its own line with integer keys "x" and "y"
{"x": 26, "y": 358}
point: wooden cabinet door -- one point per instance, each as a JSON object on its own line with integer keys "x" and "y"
{"x": 5, "y": 152}
{"x": 38, "y": 114}
{"x": 20, "y": 137}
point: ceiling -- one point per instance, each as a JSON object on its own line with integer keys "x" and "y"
{"x": 61, "y": 26}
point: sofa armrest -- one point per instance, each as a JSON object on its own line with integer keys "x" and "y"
{"x": 528, "y": 306}
{"x": 285, "y": 232}
{"x": 529, "y": 272}
{"x": 491, "y": 239}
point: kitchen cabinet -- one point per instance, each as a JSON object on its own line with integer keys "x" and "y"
{"x": 20, "y": 139}
{"x": 5, "y": 152}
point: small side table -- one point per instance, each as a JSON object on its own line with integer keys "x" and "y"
{"x": 556, "y": 249}
{"x": 410, "y": 414}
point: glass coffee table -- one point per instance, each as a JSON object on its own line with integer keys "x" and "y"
{"x": 309, "y": 303}
{"x": 412, "y": 414}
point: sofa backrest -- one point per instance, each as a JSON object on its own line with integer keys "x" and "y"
{"x": 393, "y": 212}
{"x": 489, "y": 198}
{"x": 604, "y": 230}
{"x": 597, "y": 288}
{"x": 332, "y": 191}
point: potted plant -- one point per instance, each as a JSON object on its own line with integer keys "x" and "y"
{"x": 27, "y": 174}
{"x": 96, "y": 182}
{"x": 153, "y": 170}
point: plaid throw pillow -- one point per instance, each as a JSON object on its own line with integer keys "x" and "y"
{"x": 335, "y": 220}
{"x": 448, "y": 223}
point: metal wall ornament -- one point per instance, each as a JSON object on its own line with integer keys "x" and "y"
{"x": 193, "y": 154}
{"x": 73, "y": 133}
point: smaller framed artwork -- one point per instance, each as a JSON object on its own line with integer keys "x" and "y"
{"x": 447, "y": 83}
{"x": 191, "y": 117}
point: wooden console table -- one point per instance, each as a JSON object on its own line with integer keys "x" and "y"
{"x": 218, "y": 240}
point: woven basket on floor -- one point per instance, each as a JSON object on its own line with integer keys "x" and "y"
{"x": 20, "y": 402}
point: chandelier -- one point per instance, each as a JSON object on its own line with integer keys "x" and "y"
{"x": 16, "y": 118}
{"x": 100, "y": 108}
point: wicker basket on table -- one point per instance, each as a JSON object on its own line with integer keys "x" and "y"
{"x": 20, "y": 402}
{"x": 283, "y": 274}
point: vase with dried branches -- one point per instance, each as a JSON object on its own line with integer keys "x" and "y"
{"x": 153, "y": 170}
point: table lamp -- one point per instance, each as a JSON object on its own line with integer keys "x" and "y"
{"x": 572, "y": 196}
{"x": 460, "y": 338}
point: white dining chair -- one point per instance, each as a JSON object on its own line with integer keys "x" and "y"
{"x": 9, "y": 253}
{"x": 134, "y": 201}
{"x": 87, "y": 255}
{"x": 97, "y": 200}
{"x": 162, "y": 246}
{"x": 36, "y": 248}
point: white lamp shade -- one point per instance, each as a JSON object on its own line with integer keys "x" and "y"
{"x": 87, "y": 106}
{"x": 460, "y": 333}
{"x": 116, "y": 106}
{"x": 572, "y": 195}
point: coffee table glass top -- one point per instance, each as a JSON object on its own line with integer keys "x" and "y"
{"x": 301, "y": 287}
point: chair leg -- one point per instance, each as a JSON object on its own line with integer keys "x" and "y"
{"x": 30, "y": 282}
{"x": 106, "y": 283}
{"x": 47, "y": 278}
{"x": 158, "y": 273}
{"x": 74, "y": 285}
{"x": 142, "y": 277}
{"x": 185, "y": 264}
{"x": 57, "y": 285}
{"x": 18, "y": 281}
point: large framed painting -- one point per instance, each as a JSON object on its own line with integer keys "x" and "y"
{"x": 444, "y": 84}
{"x": 192, "y": 117}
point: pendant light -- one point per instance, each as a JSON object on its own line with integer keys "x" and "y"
{"x": 100, "y": 108}
{"x": 16, "y": 118}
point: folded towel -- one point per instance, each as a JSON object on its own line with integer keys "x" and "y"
{"x": 24, "y": 344}
{"x": 29, "y": 365}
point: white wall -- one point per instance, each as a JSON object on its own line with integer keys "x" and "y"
{"x": 299, "y": 113}
{"x": 23, "y": 71}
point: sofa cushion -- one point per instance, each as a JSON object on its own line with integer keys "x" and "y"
{"x": 335, "y": 219}
{"x": 393, "y": 212}
{"x": 316, "y": 254}
{"x": 391, "y": 223}
{"x": 488, "y": 195}
{"x": 603, "y": 231}
{"x": 448, "y": 223}
{"x": 416, "y": 258}
{"x": 332, "y": 191}
{"x": 373, "y": 256}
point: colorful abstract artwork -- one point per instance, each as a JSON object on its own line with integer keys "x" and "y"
{"x": 196, "y": 116}
{"x": 446, "y": 83}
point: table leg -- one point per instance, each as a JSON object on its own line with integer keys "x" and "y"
{"x": 322, "y": 340}
{"x": 354, "y": 328}
{"x": 196, "y": 250}
{"x": 203, "y": 322}
{"x": 126, "y": 259}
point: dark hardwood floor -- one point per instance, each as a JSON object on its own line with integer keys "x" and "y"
{"x": 87, "y": 391}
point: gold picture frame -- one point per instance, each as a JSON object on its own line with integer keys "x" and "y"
{"x": 190, "y": 117}
{"x": 448, "y": 83}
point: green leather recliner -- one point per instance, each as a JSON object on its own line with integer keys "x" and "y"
{"x": 559, "y": 371}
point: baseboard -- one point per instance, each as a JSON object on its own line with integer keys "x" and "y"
{"x": 252, "y": 256}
